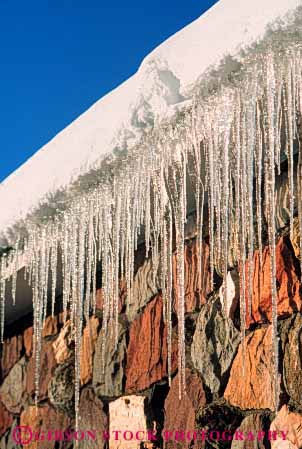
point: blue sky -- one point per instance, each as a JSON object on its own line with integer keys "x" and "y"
{"x": 57, "y": 57}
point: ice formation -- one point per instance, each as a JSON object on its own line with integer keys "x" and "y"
{"x": 228, "y": 144}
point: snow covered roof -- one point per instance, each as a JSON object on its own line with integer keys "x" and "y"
{"x": 163, "y": 84}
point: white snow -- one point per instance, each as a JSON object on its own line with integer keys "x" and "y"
{"x": 161, "y": 82}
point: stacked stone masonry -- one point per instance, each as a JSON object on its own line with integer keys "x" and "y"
{"x": 129, "y": 386}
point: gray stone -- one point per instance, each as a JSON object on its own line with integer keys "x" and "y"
{"x": 109, "y": 381}
{"x": 13, "y": 387}
{"x": 215, "y": 342}
{"x": 146, "y": 284}
{"x": 61, "y": 388}
{"x": 7, "y": 440}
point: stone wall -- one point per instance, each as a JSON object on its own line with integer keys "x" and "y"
{"x": 229, "y": 382}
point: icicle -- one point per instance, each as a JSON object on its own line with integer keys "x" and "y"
{"x": 78, "y": 317}
{"x": 270, "y": 191}
{"x": 2, "y": 296}
{"x": 15, "y": 272}
{"x": 290, "y": 114}
{"x": 53, "y": 269}
{"x": 259, "y": 165}
{"x": 225, "y": 202}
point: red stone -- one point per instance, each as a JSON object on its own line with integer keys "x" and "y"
{"x": 253, "y": 387}
{"x": 288, "y": 282}
{"x": 180, "y": 413}
{"x": 41, "y": 420}
{"x": 147, "y": 355}
{"x": 47, "y": 366}
{"x": 28, "y": 340}
{"x": 90, "y": 335}
{"x": 197, "y": 282}
{"x": 6, "y": 419}
{"x": 11, "y": 353}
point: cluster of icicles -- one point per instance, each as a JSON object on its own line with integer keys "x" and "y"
{"x": 228, "y": 148}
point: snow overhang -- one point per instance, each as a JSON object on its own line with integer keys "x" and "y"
{"x": 198, "y": 59}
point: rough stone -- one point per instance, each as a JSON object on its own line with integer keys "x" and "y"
{"x": 28, "y": 340}
{"x": 290, "y": 422}
{"x": 6, "y": 419}
{"x": 50, "y": 326}
{"x": 147, "y": 355}
{"x": 253, "y": 388}
{"x": 289, "y": 286}
{"x": 40, "y": 421}
{"x": 11, "y": 353}
{"x": 99, "y": 299}
{"x": 64, "y": 344}
{"x": 232, "y": 294}
{"x": 109, "y": 382}
{"x": 180, "y": 413}
{"x": 47, "y": 366}
{"x": 128, "y": 412}
{"x": 92, "y": 416}
{"x": 295, "y": 241}
{"x": 291, "y": 341}
{"x": 218, "y": 416}
{"x": 7, "y": 440}
{"x": 89, "y": 338}
{"x": 252, "y": 423}
{"x": 13, "y": 387}
{"x": 61, "y": 388}
{"x": 197, "y": 282}
{"x": 146, "y": 285}
{"x": 214, "y": 344}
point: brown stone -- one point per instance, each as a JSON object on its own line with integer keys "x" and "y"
{"x": 197, "y": 282}
{"x": 291, "y": 423}
{"x": 253, "y": 424}
{"x": 253, "y": 388}
{"x": 13, "y": 387}
{"x": 63, "y": 345}
{"x": 28, "y": 340}
{"x": 180, "y": 413}
{"x": 147, "y": 355}
{"x": 92, "y": 416}
{"x": 289, "y": 297}
{"x": 11, "y": 353}
{"x": 50, "y": 326}
{"x": 295, "y": 241}
{"x": 42, "y": 420}
{"x": 47, "y": 366}
{"x": 61, "y": 388}
{"x": 6, "y": 419}
{"x": 99, "y": 299}
{"x": 90, "y": 335}
{"x": 291, "y": 341}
